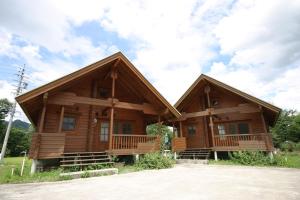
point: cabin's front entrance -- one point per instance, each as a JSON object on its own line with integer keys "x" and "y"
{"x": 101, "y": 136}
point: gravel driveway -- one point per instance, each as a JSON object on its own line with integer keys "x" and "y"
{"x": 181, "y": 182}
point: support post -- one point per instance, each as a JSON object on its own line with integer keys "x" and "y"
{"x": 111, "y": 127}
{"x": 211, "y": 123}
{"x": 216, "y": 155}
{"x": 61, "y": 119}
{"x": 33, "y": 166}
{"x": 136, "y": 157}
{"x": 180, "y": 126}
{"x": 111, "y": 122}
{"x": 265, "y": 130}
{"x": 41, "y": 125}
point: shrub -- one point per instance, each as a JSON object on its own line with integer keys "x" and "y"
{"x": 297, "y": 147}
{"x": 287, "y": 146}
{"x": 250, "y": 158}
{"x": 85, "y": 175}
{"x": 154, "y": 161}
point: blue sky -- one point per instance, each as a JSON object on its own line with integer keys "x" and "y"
{"x": 251, "y": 45}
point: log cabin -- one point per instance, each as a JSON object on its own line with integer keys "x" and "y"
{"x": 218, "y": 117}
{"x": 102, "y": 109}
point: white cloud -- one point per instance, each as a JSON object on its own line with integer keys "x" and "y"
{"x": 262, "y": 38}
{"x": 172, "y": 41}
{"x": 262, "y": 33}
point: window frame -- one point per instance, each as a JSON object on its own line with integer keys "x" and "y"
{"x": 105, "y": 135}
{"x": 236, "y": 125}
{"x": 75, "y": 123}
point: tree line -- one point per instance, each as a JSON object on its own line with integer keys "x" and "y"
{"x": 19, "y": 139}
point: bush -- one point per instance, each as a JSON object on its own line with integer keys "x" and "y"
{"x": 287, "y": 146}
{"x": 154, "y": 161}
{"x": 297, "y": 147}
{"x": 250, "y": 158}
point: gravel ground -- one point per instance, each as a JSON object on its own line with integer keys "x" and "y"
{"x": 181, "y": 182}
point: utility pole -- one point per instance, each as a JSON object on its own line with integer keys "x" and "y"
{"x": 21, "y": 85}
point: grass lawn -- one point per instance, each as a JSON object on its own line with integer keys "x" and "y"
{"x": 292, "y": 160}
{"x": 10, "y": 162}
{"x": 53, "y": 175}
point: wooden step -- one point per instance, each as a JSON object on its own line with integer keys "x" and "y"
{"x": 84, "y": 153}
{"x": 84, "y": 160}
{"x": 85, "y": 164}
{"x": 187, "y": 152}
{"x": 92, "y": 156}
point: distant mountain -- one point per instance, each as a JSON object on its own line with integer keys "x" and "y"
{"x": 20, "y": 124}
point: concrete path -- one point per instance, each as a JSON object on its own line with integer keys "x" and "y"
{"x": 182, "y": 182}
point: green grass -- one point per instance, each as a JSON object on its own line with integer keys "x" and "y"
{"x": 127, "y": 169}
{"x": 16, "y": 162}
{"x": 292, "y": 160}
{"x": 53, "y": 175}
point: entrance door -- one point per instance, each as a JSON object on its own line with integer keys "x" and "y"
{"x": 103, "y": 136}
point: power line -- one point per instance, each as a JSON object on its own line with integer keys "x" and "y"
{"x": 21, "y": 85}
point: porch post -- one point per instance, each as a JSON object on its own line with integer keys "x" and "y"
{"x": 216, "y": 155}
{"x": 211, "y": 123}
{"x": 180, "y": 125}
{"x": 265, "y": 130}
{"x": 111, "y": 122}
{"x": 42, "y": 119}
{"x": 62, "y": 111}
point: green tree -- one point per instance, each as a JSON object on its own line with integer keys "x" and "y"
{"x": 19, "y": 137}
{"x": 287, "y": 127}
{"x": 5, "y": 107}
{"x": 18, "y": 142}
{"x": 165, "y": 133}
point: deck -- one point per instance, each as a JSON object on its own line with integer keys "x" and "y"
{"x": 237, "y": 142}
{"x": 51, "y": 145}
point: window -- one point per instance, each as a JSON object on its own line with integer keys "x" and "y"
{"x": 221, "y": 130}
{"x": 104, "y": 131}
{"x": 191, "y": 129}
{"x": 68, "y": 123}
{"x": 232, "y": 129}
{"x": 103, "y": 93}
{"x": 126, "y": 128}
{"x": 243, "y": 128}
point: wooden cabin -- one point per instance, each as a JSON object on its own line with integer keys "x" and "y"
{"x": 104, "y": 107}
{"x": 221, "y": 118}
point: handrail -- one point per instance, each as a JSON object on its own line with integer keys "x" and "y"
{"x": 261, "y": 140}
{"x": 123, "y": 141}
{"x": 240, "y": 134}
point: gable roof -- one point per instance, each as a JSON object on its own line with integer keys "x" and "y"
{"x": 83, "y": 71}
{"x": 229, "y": 88}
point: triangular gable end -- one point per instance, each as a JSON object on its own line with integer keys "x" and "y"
{"x": 54, "y": 85}
{"x": 181, "y": 102}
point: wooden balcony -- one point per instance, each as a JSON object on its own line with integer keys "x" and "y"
{"x": 262, "y": 142}
{"x": 51, "y": 145}
{"x": 134, "y": 144}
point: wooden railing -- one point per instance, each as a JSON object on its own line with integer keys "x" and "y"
{"x": 47, "y": 145}
{"x": 132, "y": 141}
{"x": 244, "y": 141}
